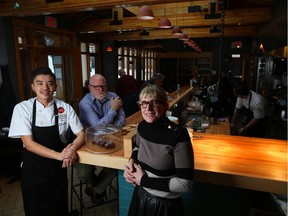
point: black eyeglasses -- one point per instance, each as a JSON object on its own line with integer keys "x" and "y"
{"x": 144, "y": 104}
{"x": 98, "y": 87}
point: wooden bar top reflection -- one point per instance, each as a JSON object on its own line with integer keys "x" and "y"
{"x": 236, "y": 161}
{"x": 245, "y": 162}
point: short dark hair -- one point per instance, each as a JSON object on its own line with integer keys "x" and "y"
{"x": 44, "y": 71}
{"x": 241, "y": 88}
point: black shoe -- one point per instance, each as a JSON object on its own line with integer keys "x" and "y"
{"x": 95, "y": 197}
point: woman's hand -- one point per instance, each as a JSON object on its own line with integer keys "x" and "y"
{"x": 137, "y": 174}
{"x": 128, "y": 171}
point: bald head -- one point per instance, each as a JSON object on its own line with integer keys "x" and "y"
{"x": 97, "y": 78}
{"x": 98, "y": 86}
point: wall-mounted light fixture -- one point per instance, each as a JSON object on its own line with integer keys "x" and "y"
{"x": 109, "y": 49}
{"x": 16, "y": 5}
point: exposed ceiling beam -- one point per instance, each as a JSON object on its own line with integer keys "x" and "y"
{"x": 240, "y": 20}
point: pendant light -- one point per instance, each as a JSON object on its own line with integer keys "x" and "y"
{"x": 183, "y": 37}
{"x": 187, "y": 41}
{"x": 164, "y": 22}
{"x": 145, "y": 13}
{"x": 176, "y": 30}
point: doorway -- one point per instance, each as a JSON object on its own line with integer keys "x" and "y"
{"x": 61, "y": 53}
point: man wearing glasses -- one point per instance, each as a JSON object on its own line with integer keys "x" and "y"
{"x": 97, "y": 108}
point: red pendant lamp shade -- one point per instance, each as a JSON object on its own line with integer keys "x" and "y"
{"x": 176, "y": 30}
{"x": 145, "y": 13}
{"x": 164, "y": 23}
{"x": 183, "y": 37}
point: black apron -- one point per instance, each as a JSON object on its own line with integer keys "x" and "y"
{"x": 44, "y": 182}
{"x": 248, "y": 114}
{"x": 257, "y": 130}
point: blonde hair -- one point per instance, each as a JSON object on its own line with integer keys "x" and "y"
{"x": 154, "y": 91}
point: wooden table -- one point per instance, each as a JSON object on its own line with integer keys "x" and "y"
{"x": 251, "y": 163}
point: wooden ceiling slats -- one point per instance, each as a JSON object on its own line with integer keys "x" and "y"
{"x": 39, "y": 7}
{"x": 166, "y": 34}
{"x": 241, "y": 20}
{"x": 246, "y": 17}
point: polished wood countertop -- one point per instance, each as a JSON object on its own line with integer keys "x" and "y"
{"x": 236, "y": 161}
{"x": 245, "y": 162}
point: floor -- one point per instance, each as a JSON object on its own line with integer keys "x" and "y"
{"x": 11, "y": 200}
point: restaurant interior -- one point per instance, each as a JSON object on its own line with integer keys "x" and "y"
{"x": 204, "y": 47}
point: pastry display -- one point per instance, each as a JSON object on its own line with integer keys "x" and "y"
{"x": 103, "y": 139}
{"x": 103, "y": 142}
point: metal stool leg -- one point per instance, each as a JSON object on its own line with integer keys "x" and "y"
{"x": 79, "y": 196}
{"x": 71, "y": 190}
{"x": 81, "y": 199}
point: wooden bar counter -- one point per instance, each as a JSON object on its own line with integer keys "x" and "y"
{"x": 236, "y": 161}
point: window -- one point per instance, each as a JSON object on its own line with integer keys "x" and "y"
{"x": 89, "y": 53}
{"x": 129, "y": 59}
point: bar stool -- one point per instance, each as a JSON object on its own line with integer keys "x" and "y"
{"x": 79, "y": 194}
